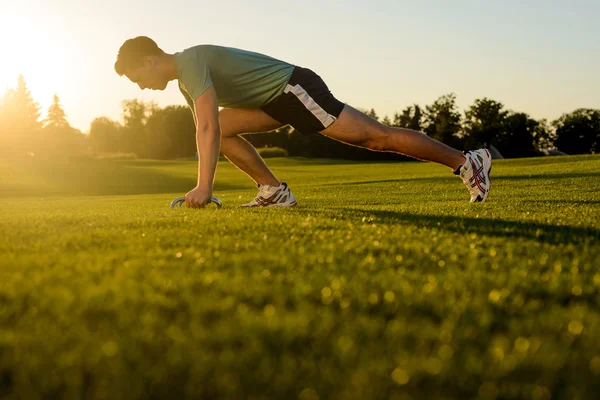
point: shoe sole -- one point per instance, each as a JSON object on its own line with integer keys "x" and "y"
{"x": 272, "y": 205}
{"x": 489, "y": 171}
{"x": 294, "y": 204}
{"x": 490, "y": 181}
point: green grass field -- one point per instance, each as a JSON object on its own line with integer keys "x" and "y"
{"x": 384, "y": 283}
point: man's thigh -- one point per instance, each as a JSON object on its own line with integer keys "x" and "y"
{"x": 236, "y": 121}
{"x": 354, "y": 127}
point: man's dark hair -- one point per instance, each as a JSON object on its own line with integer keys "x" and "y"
{"x": 132, "y": 52}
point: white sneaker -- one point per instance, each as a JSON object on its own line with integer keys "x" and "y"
{"x": 273, "y": 196}
{"x": 475, "y": 174}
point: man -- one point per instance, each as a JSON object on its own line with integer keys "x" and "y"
{"x": 258, "y": 94}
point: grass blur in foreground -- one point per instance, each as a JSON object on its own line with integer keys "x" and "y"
{"x": 383, "y": 283}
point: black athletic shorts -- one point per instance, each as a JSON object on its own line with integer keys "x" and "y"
{"x": 306, "y": 103}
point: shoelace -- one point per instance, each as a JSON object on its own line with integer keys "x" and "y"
{"x": 260, "y": 197}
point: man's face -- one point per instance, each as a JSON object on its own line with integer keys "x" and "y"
{"x": 148, "y": 76}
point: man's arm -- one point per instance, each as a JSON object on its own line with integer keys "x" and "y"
{"x": 208, "y": 142}
{"x": 189, "y": 101}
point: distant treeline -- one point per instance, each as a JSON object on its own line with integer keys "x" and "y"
{"x": 149, "y": 131}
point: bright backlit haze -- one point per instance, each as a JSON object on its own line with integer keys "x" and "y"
{"x": 539, "y": 57}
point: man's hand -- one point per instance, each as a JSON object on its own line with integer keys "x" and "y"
{"x": 198, "y": 197}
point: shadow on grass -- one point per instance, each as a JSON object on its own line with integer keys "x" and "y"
{"x": 565, "y": 202}
{"x": 546, "y": 233}
{"x": 102, "y": 178}
{"x": 429, "y": 179}
{"x": 450, "y": 179}
{"x": 566, "y": 175}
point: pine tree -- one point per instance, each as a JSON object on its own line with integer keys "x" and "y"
{"x": 27, "y": 110}
{"x": 410, "y": 118}
{"x": 59, "y": 138}
{"x": 19, "y": 120}
{"x": 7, "y": 138}
{"x": 373, "y": 114}
{"x": 56, "y": 115}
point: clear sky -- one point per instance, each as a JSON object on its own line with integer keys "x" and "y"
{"x": 537, "y": 56}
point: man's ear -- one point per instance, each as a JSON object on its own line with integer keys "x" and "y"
{"x": 149, "y": 61}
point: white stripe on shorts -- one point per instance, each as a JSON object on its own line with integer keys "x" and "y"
{"x": 312, "y": 106}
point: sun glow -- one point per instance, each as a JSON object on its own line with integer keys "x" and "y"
{"x": 35, "y": 50}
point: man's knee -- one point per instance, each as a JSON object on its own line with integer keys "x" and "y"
{"x": 377, "y": 141}
{"x": 356, "y": 128}
{"x": 224, "y": 123}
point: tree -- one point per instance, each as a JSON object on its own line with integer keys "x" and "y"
{"x": 578, "y": 132}
{"x": 105, "y": 136}
{"x": 443, "y": 120}
{"x": 135, "y": 115}
{"x": 518, "y": 137}
{"x": 7, "y": 138}
{"x": 386, "y": 121}
{"x": 170, "y": 133}
{"x": 28, "y": 111}
{"x": 58, "y": 138}
{"x": 373, "y": 114}
{"x": 19, "y": 120}
{"x": 410, "y": 118}
{"x": 56, "y": 115}
{"x": 484, "y": 122}
{"x": 544, "y": 135}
